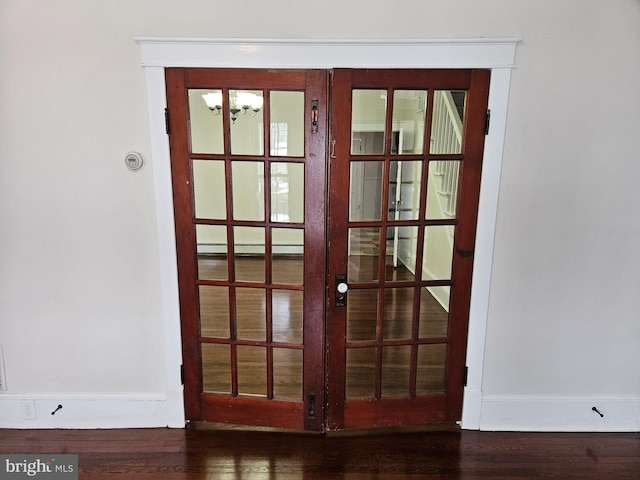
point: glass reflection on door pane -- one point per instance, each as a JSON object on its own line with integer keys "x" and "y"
{"x": 209, "y": 190}
{"x": 396, "y": 371}
{"x": 287, "y": 264}
{"x": 248, "y": 190}
{"x": 252, "y": 370}
{"x": 286, "y": 312}
{"x": 398, "y": 313}
{"x": 368, "y": 115}
{"x": 249, "y": 254}
{"x": 287, "y": 124}
{"x": 287, "y": 373}
{"x": 211, "y": 244}
{"x": 247, "y": 130}
{"x": 251, "y": 316}
{"x": 365, "y": 191}
{"x": 361, "y": 372}
{"x": 442, "y": 192}
{"x": 405, "y": 179}
{"x": 431, "y": 369}
{"x": 364, "y": 252}
{"x": 287, "y": 192}
{"x": 447, "y": 121}
{"x": 205, "y": 123}
{"x": 409, "y": 110}
{"x": 402, "y": 243}
{"x": 438, "y": 252}
{"x": 214, "y": 311}
{"x": 216, "y": 368}
{"x": 362, "y": 312}
{"x": 434, "y": 312}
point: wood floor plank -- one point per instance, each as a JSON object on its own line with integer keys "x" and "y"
{"x": 203, "y": 453}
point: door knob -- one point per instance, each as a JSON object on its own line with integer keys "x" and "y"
{"x": 341, "y": 290}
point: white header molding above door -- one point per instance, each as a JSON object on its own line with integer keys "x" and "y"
{"x": 495, "y": 54}
{"x": 278, "y": 53}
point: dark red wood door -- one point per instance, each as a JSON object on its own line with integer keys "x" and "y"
{"x": 406, "y": 157}
{"x": 292, "y": 320}
{"x": 249, "y": 183}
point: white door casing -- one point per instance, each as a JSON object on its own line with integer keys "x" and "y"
{"x": 495, "y": 54}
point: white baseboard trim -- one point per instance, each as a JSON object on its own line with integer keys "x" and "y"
{"x": 571, "y": 413}
{"x": 87, "y": 411}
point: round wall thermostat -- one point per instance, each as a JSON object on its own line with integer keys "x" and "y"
{"x": 134, "y": 161}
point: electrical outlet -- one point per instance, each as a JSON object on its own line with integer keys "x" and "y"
{"x": 28, "y": 409}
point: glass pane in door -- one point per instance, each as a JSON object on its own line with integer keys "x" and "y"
{"x": 409, "y": 111}
{"x": 249, "y": 254}
{"x": 287, "y": 373}
{"x": 447, "y": 122}
{"x": 361, "y": 372}
{"x": 286, "y": 316}
{"x": 398, "y": 313}
{"x": 287, "y": 124}
{"x": 248, "y": 190}
{"x": 402, "y": 243}
{"x": 368, "y": 115}
{"x": 396, "y": 370}
{"x": 438, "y": 252}
{"x": 405, "y": 179}
{"x": 211, "y": 249}
{"x": 216, "y": 368}
{"x": 442, "y": 192}
{"x": 362, "y": 313}
{"x": 251, "y": 314}
{"x": 364, "y": 252}
{"x": 247, "y": 122}
{"x": 209, "y": 189}
{"x": 431, "y": 368}
{"x": 214, "y": 311}
{"x": 365, "y": 191}
{"x": 287, "y": 262}
{"x": 287, "y": 192}
{"x": 252, "y": 370}
{"x": 434, "y": 312}
{"x": 205, "y": 109}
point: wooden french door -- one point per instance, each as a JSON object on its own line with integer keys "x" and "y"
{"x": 315, "y": 299}
{"x": 405, "y": 178}
{"x": 249, "y": 183}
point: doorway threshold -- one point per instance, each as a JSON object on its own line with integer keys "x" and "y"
{"x": 447, "y": 427}
{"x": 451, "y": 427}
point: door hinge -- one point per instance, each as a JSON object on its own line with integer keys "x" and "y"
{"x": 166, "y": 120}
{"x": 487, "y": 121}
{"x": 466, "y": 375}
{"x": 182, "y": 374}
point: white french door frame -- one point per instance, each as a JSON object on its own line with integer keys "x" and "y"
{"x": 497, "y": 55}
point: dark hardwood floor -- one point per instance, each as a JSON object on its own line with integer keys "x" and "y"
{"x": 207, "y": 453}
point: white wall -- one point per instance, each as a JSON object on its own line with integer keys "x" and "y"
{"x": 80, "y": 302}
